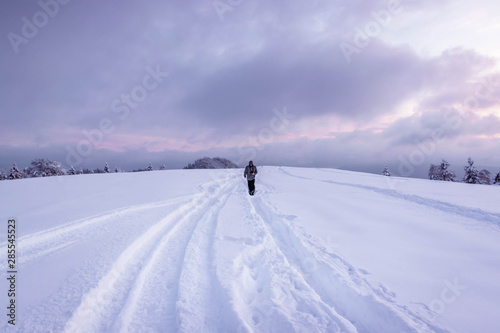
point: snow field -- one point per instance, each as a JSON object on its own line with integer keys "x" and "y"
{"x": 315, "y": 250}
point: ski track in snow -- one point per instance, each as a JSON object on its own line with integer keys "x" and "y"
{"x": 472, "y": 213}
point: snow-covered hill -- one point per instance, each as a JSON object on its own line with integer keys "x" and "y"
{"x": 315, "y": 250}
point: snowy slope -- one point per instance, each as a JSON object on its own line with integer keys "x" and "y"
{"x": 315, "y": 250}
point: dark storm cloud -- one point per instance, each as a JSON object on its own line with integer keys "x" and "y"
{"x": 89, "y": 55}
{"x": 315, "y": 80}
{"x": 76, "y": 64}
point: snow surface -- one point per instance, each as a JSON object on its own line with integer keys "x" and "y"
{"x": 315, "y": 250}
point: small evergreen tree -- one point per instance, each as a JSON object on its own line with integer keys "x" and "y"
{"x": 497, "y": 179}
{"x": 444, "y": 173}
{"x": 71, "y": 171}
{"x": 434, "y": 172}
{"x": 386, "y": 172}
{"x": 484, "y": 177}
{"x": 471, "y": 173}
{"x": 106, "y": 168}
{"x": 162, "y": 167}
{"x": 15, "y": 173}
{"x": 150, "y": 167}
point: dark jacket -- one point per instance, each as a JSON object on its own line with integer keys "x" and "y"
{"x": 248, "y": 172}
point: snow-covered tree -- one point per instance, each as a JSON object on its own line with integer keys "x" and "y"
{"x": 162, "y": 167}
{"x": 3, "y": 174}
{"x": 71, "y": 171}
{"x": 445, "y": 173}
{"x": 106, "y": 168}
{"x": 471, "y": 174}
{"x": 497, "y": 179}
{"x": 15, "y": 173}
{"x": 434, "y": 172}
{"x": 211, "y": 163}
{"x": 441, "y": 172}
{"x": 150, "y": 167}
{"x": 484, "y": 177}
{"x": 386, "y": 172}
{"x": 43, "y": 167}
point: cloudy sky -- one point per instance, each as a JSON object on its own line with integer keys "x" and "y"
{"x": 353, "y": 84}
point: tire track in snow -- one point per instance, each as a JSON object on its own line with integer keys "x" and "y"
{"x": 178, "y": 265}
{"x": 471, "y": 213}
{"x": 46, "y": 242}
{"x": 199, "y": 304}
{"x": 368, "y": 308}
{"x": 101, "y": 308}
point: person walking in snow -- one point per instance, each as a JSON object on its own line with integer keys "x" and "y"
{"x": 249, "y": 174}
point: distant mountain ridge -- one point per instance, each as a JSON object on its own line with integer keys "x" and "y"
{"x": 212, "y": 163}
